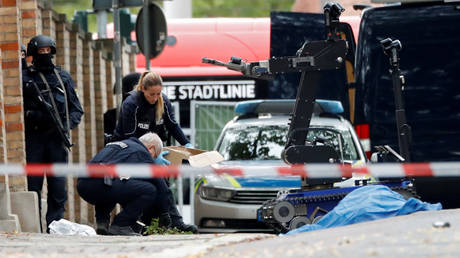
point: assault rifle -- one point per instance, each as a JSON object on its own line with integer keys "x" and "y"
{"x": 53, "y": 113}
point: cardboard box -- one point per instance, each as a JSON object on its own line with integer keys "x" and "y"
{"x": 196, "y": 157}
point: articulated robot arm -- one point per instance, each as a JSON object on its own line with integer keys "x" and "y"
{"x": 310, "y": 60}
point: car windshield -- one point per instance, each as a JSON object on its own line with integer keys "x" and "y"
{"x": 267, "y": 142}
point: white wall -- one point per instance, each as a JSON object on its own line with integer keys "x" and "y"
{"x": 178, "y": 9}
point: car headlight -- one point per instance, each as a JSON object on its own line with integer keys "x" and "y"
{"x": 218, "y": 194}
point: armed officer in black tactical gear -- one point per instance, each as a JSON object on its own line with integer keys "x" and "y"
{"x": 134, "y": 195}
{"x": 51, "y": 110}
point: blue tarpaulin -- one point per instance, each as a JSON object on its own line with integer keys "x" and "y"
{"x": 368, "y": 203}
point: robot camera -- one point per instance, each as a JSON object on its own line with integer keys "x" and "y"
{"x": 235, "y": 60}
{"x": 388, "y": 45}
{"x": 334, "y": 10}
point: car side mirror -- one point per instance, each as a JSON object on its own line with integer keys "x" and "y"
{"x": 386, "y": 154}
{"x": 375, "y": 157}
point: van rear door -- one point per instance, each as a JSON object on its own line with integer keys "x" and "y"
{"x": 289, "y": 30}
{"x": 430, "y": 63}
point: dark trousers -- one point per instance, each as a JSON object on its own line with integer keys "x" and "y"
{"x": 47, "y": 148}
{"x": 155, "y": 210}
{"x": 133, "y": 195}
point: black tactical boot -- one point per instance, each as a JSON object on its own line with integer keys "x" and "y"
{"x": 139, "y": 227}
{"x": 122, "y": 231}
{"x": 164, "y": 220}
{"x": 180, "y": 225}
{"x": 102, "y": 227}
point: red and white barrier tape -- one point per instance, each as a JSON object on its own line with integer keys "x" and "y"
{"x": 435, "y": 169}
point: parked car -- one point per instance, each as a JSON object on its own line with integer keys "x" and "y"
{"x": 256, "y": 137}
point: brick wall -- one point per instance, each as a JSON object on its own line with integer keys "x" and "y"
{"x": 2, "y": 123}
{"x": 12, "y": 120}
{"x": 100, "y": 92}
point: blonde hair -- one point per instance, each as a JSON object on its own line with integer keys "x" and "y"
{"x": 149, "y": 79}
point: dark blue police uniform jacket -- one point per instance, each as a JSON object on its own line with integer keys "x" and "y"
{"x": 42, "y": 122}
{"x": 137, "y": 117}
{"x": 127, "y": 151}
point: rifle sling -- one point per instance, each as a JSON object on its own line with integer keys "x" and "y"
{"x": 65, "y": 98}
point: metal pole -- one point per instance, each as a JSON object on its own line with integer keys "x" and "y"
{"x": 146, "y": 34}
{"x": 192, "y": 199}
{"x": 180, "y": 194}
{"x": 117, "y": 51}
{"x": 101, "y": 23}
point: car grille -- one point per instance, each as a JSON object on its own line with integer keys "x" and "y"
{"x": 253, "y": 196}
{"x": 243, "y": 225}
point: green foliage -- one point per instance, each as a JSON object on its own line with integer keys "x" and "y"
{"x": 239, "y": 8}
{"x": 201, "y": 8}
{"x": 155, "y": 229}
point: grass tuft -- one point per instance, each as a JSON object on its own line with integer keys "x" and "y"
{"x": 156, "y": 229}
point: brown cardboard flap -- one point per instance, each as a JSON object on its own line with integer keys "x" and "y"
{"x": 205, "y": 159}
{"x": 196, "y": 157}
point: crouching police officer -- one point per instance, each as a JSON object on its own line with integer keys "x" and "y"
{"x": 134, "y": 195}
{"x": 51, "y": 109}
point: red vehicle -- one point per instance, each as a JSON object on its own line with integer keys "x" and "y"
{"x": 189, "y": 40}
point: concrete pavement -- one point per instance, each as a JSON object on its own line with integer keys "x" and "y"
{"x": 167, "y": 246}
{"x": 417, "y": 235}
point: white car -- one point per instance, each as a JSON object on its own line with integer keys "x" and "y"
{"x": 257, "y": 138}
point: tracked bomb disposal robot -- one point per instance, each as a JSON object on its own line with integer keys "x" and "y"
{"x": 317, "y": 196}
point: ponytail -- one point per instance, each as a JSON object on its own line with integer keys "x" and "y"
{"x": 139, "y": 83}
{"x": 148, "y": 79}
{"x": 160, "y": 108}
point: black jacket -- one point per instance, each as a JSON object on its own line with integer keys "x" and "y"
{"x": 36, "y": 116}
{"x": 137, "y": 117}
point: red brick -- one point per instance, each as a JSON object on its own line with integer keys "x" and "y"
{"x": 10, "y": 64}
{"x": 13, "y": 108}
{"x": 29, "y": 14}
{"x": 9, "y": 46}
{"x": 14, "y": 127}
{"x": 8, "y": 3}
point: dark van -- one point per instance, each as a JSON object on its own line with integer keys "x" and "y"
{"x": 430, "y": 62}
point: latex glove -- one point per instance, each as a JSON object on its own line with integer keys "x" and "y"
{"x": 160, "y": 160}
{"x": 188, "y": 145}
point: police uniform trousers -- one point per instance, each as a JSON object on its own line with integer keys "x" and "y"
{"x": 47, "y": 148}
{"x": 132, "y": 194}
{"x": 155, "y": 210}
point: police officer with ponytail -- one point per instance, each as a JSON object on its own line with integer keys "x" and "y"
{"x": 147, "y": 109}
{"x": 51, "y": 110}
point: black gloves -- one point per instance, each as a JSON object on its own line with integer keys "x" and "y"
{"x": 34, "y": 115}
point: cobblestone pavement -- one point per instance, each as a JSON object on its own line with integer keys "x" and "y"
{"x": 422, "y": 234}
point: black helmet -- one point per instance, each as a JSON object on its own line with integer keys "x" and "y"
{"x": 40, "y": 41}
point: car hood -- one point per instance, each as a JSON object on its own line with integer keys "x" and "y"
{"x": 227, "y": 180}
